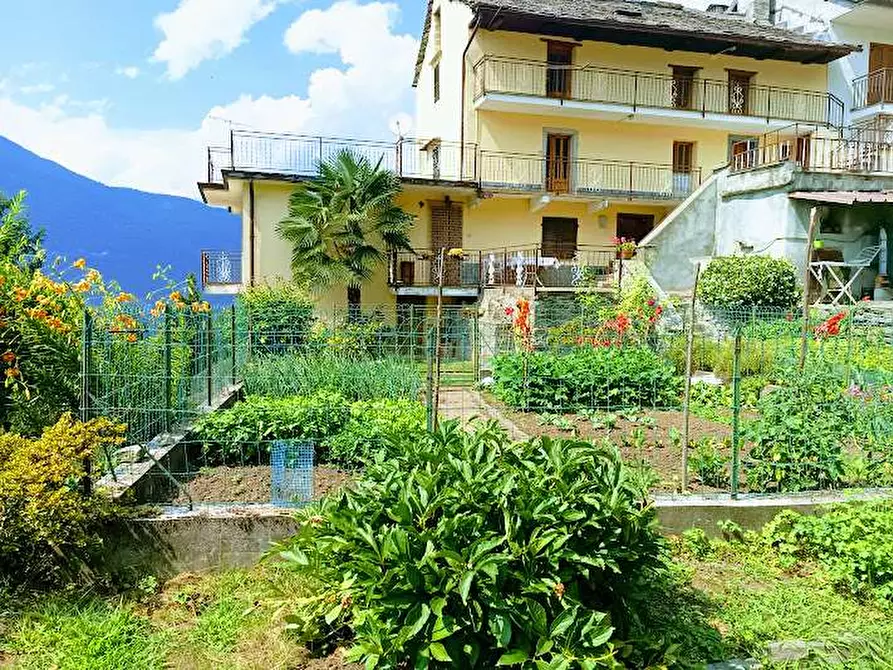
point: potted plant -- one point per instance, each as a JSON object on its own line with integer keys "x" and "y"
{"x": 625, "y": 248}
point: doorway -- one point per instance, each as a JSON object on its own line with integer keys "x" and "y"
{"x": 634, "y": 226}
{"x": 560, "y": 57}
{"x": 739, "y": 92}
{"x": 880, "y": 73}
{"x": 558, "y": 163}
{"x": 683, "y": 167}
{"x": 683, "y": 86}
{"x": 559, "y": 237}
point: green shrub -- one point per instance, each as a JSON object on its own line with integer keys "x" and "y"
{"x": 799, "y": 433}
{"x": 48, "y": 528}
{"x": 356, "y": 378}
{"x": 585, "y": 377}
{"x": 345, "y": 433}
{"x": 465, "y": 550}
{"x": 854, "y": 541}
{"x": 735, "y": 282}
{"x": 709, "y": 464}
{"x": 278, "y": 317}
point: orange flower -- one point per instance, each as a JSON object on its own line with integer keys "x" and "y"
{"x": 8, "y": 358}
{"x": 131, "y": 337}
{"x": 80, "y": 264}
{"x": 124, "y": 297}
{"x": 2, "y": 280}
{"x": 93, "y": 275}
{"x": 176, "y": 296}
{"x": 20, "y": 293}
{"x": 13, "y": 372}
{"x": 82, "y": 286}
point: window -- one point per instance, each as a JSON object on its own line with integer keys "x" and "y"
{"x": 560, "y": 58}
{"x": 683, "y": 167}
{"x": 739, "y": 92}
{"x": 558, "y": 163}
{"x": 683, "y": 86}
{"x": 634, "y": 226}
{"x": 435, "y": 75}
{"x": 743, "y": 151}
{"x": 559, "y": 237}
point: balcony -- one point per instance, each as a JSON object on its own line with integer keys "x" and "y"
{"x": 848, "y": 150}
{"x": 873, "y": 93}
{"x": 221, "y": 272}
{"x": 506, "y": 84}
{"x": 299, "y": 156}
{"x": 540, "y": 267}
{"x": 584, "y": 177}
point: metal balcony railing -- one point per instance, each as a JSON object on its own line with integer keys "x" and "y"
{"x": 850, "y": 150}
{"x": 496, "y": 74}
{"x": 873, "y": 88}
{"x": 585, "y": 177}
{"x": 221, "y": 268}
{"x": 301, "y": 155}
{"x": 541, "y": 266}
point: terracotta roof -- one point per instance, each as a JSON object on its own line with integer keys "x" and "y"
{"x": 669, "y": 25}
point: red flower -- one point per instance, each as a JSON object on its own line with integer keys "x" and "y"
{"x": 651, "y": 302}
{"x": 509, "y": 311}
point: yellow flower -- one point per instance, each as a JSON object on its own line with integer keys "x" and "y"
{"x": 176, "y": 296}
{"x": 20, "y": 293}
{"x": 93, "y": 275}
{"x": 124, "y": 297}
{"x": 82, "y": 286}
{"x": 80, "y": 264}
{"x": 13, "y": 372}
{"x": 131, "y": 337}
{"x": 456, "y": 252}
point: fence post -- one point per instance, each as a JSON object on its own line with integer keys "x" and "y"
{"x": 476, "y": 347}
{"x": 168, "y": 382}
{"x": 209, "y": 366}
{"x": 232, "y": 335}
{"x": 689, "y": 347}
{"x": 849, "y": 344}
{"x": 429, "y": 386}
{"x": 736, "y": 411}
{"x": 86, "y": 353}
{"x": 810, "y": 238}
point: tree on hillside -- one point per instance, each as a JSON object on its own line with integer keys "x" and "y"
{"x": 18, "y": 242}
{"x": 343, "y": 224}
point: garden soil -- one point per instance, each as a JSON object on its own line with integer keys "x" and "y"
{"x": 251, "y": 484}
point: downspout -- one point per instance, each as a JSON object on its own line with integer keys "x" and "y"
{"x": 471, "y": 37}
{"x": 251, "y": 233}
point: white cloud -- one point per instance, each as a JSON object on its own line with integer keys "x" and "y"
{"x": 129, "y": 71}
{"x": 31, "y": 89}
{"x": 358, "y": 100}
{"x": 198, "y": 30}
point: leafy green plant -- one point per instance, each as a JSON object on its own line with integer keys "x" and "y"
{"x": 734, "y": 282}
{"x": 854, "y": 541}
{"x": 586, "y": 377}
{"x": 345, "y": 432}
{"x": 279, "y": 317}
{"x": 465, "y": 550}
{"x": 356, "y": 378}
{"x": 558, "y": 420}
{"x": 708, "y": 462}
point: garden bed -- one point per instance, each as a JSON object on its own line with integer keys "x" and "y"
{"x": 252, "y": 484}
{"x": 661, "y": 432}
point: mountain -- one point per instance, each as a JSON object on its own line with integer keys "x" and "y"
{"x": 122, "y": 232}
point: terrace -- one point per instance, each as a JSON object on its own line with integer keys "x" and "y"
{"x": 540, "y": 267}
{"x": 221, "y": 271}
{"x": 512, "y": 84}
{"x": 873, "y": 93}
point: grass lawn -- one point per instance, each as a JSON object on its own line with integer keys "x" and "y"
{"x": 235, "y": 619}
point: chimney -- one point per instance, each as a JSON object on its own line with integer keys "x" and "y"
{"x": 762, "y": 11}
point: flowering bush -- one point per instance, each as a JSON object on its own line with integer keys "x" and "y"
{"x": 521, "y": 326}
{"x": 624, "y": 245}
{"x": 49, "y": 528}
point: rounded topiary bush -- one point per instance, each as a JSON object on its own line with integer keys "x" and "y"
{"x": 463, "y": 550}
{"x": 732, "y": 282}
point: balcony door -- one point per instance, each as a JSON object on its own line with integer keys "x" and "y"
{"x": 683, "y": 86}
{"x": 558, "y": 163}
{"x": 559, "y": 237}
{"x": 880, "y": 73}
{"x": 739, "y": 92}
{"x": 683, "y": 167}
{"x": 634, "y": 226}
{"x": 560, "y": 57}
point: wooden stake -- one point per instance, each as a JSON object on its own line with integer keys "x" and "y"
{"x": 810, "y": 238}
{"x": 438, "y": 326}
{"x": 689, "y": 346}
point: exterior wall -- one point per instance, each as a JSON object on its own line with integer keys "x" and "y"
{"x": 441, "y": 119}
{"x": 615, "y": 140}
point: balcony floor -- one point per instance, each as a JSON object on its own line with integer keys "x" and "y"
{"x": 523, "y": 104}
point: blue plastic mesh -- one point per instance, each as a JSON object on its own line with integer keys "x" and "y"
{"x": 291, "y": 463}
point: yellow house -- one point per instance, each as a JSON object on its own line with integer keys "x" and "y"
{"x": 547, "y": 130}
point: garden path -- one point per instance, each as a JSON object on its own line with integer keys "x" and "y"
{"x": 466, "y": 404}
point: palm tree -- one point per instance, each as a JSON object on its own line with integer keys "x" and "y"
{"x": 343, "y": 224}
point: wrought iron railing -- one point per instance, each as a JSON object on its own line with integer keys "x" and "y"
{"x": 496, "y": 74}
{"x": 541, "y": 266}
{"x": 301, "y": 155}
{"x": 846, "y": 151}
{"x": 873, "y": 88}
{"x": 585, "y": 176}
{"x": 221, "y": 268}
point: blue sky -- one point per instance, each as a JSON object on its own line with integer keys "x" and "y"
{"x": 128, "y": 92}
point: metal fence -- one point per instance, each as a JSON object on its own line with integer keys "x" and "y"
{"x": 693, "y": 401}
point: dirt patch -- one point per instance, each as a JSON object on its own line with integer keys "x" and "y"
{"x": 334, "y": 661}
{"x": 650, "y": 435}
{"x": 252, "y": 484}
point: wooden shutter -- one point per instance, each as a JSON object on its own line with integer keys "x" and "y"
{"x": 683, "y": 157}
{"x": 559, "y": 237}
{"x": 880, "y": 73}
{"x": 560, "y": 57}
{"x": 558, "y": 163}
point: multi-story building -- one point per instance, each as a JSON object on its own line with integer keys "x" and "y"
{"x": 549, "y": 129}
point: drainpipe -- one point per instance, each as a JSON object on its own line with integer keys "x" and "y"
{"x": 251, "y": 233}
{"x": 471, "y": 37}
